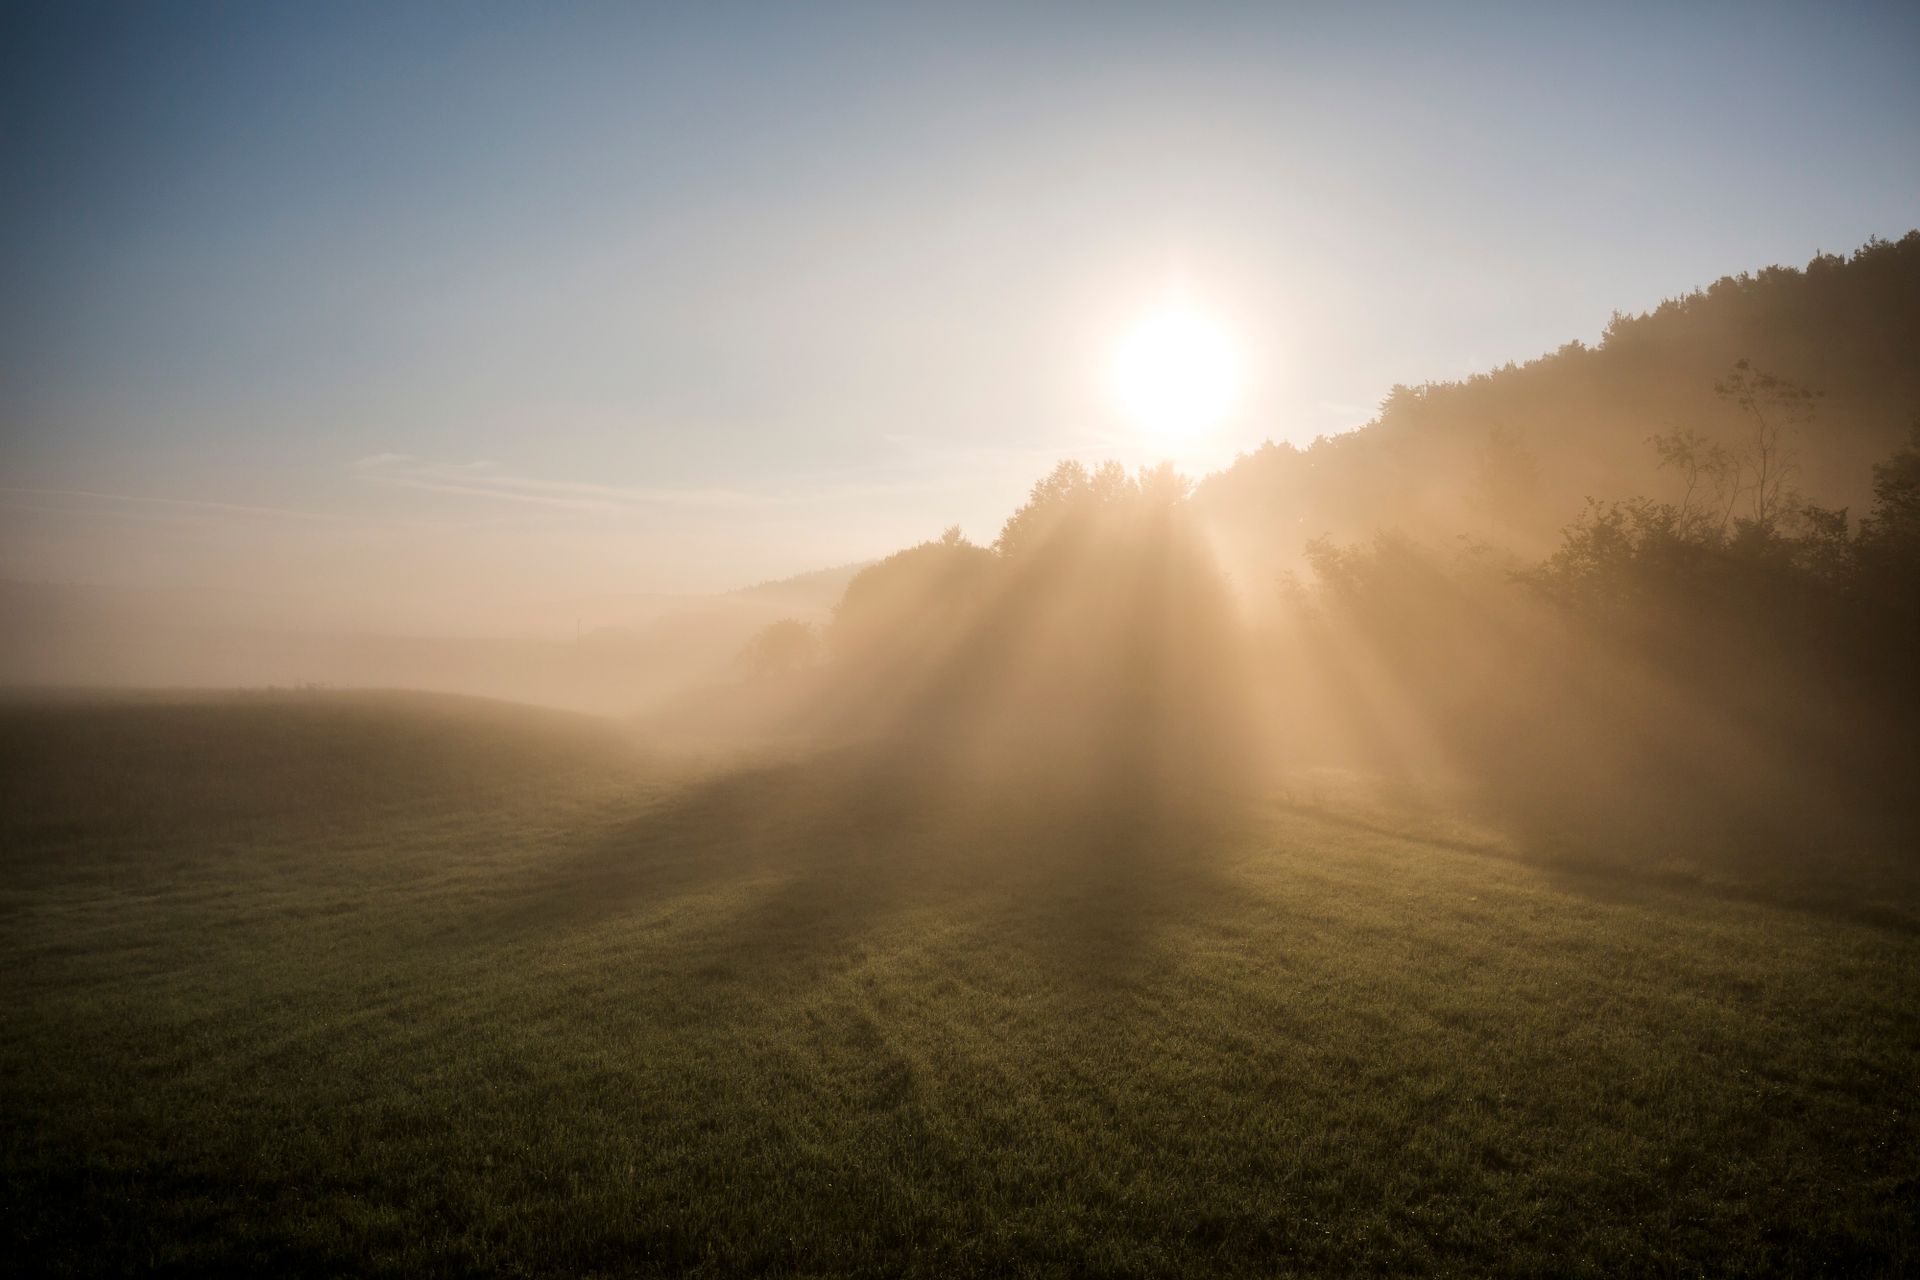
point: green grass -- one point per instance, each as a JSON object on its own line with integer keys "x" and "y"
{"x": 325, "y": 984}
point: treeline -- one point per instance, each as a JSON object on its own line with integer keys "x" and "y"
{"x": 1716, "y": 653}
{"x": 1510, "y": 454}
{"x": 1095, "y": 644}
{"x": 1679, "y": 669}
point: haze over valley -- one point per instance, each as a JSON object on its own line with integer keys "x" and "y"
{"x": 855, "y": 641}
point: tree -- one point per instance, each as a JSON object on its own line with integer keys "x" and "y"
{"x": 781, "y": 648}
{"x": 913, "y": 601}
{"x": 1887, "y": 551}
{"x": 1707, "y": 471}
{"x": 1068, "y": 502}
{"x": 1766, "y": 460}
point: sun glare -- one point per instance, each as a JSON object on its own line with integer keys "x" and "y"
{"x": 1176, "y": 372}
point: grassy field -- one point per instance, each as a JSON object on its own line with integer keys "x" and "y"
{"x": 324, "y": 983}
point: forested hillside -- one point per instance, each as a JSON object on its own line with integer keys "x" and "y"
{"x": 1669, "y": 582}
{"x": 1511, "y": 456}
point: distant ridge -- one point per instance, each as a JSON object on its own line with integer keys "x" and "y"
{"x": 830, "y": 582}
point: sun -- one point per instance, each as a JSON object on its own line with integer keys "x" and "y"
{"x": 1176, "y": 372}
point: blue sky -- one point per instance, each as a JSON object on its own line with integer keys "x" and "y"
{"x": 533, "y": 302}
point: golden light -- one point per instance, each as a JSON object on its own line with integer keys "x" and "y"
{"x": 1176, "y": 372}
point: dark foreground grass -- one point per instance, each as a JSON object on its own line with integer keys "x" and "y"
{"x": 326, "y": 985}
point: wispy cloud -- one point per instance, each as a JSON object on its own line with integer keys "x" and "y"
{"x": 483, "y": 479}
{"x": 81, "y": 500}
{"x": 486, "y": 479}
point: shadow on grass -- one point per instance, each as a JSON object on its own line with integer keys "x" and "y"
{"x": 1850, "y": 877}
{"x": 772, "y": 875}
{"x": 780, "y": 868}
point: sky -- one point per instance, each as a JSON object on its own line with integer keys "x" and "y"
{"x": 448, "y": 317}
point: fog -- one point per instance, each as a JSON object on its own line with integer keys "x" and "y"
{"x": 605, "y": 656}
{"x": 409, "y": 349}
{"x": 1676, "y": 564}
{"x": 847, "y": 639}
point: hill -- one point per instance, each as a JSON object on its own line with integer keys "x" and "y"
{"x": 643, "y": 651}
{"x": 1510, "y": 456}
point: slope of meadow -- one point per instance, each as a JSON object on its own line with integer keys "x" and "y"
{"x": 414, "y": 986}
